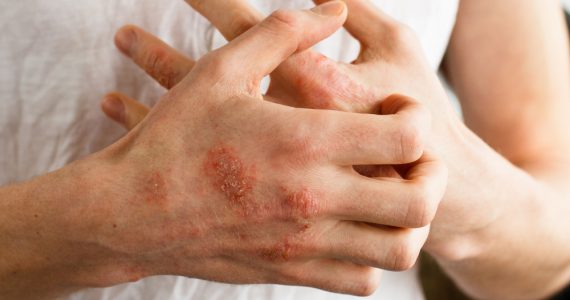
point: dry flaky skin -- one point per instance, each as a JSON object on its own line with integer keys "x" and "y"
{"x": 229, "y": 175}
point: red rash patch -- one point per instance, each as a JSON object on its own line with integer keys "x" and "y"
{"x": 231, "y": 177}
{"x": 155, "y": 190}
{"x": 302, "y": 203}
{"x": 340, "y": 85}
{"x": 281, "y": 251}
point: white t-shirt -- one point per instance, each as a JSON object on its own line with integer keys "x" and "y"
{"x": 57, "y": 60}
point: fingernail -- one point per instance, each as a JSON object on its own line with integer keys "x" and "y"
{"x": 114, "y": 108}
{"x": 333, "y": 8}
{"x": 125, "y": 39}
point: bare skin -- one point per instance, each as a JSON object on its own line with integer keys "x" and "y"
{"x": 216, "y": 184}
{"x": 482, "y": 231}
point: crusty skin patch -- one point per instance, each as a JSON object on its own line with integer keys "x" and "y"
{"x": 231, "y": 177}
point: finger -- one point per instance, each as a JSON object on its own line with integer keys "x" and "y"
{"x": 163, "y": 63}
{"x": 124, "y": 110}
{"x": 366, "y": 22}
{"x": 411, "y": 202}
{"x": 259, "y": 51}
{"x": 365, "y": 139}
{"x": 231, "y": 17}
{"x": 335, "y": 276}
{"x": 394, "y": 249}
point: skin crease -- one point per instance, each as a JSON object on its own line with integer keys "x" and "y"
{"x": 481, "y": 235}
{"x": 219, "y": 185}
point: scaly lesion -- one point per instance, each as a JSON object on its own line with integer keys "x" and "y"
{"x": 232, "y": 177}
{"x": 314, "y": 81}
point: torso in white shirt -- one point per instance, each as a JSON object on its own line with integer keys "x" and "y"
{"x": 57, "y": 60}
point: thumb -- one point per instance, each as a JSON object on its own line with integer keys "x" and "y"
{"x": 124, "y": 110}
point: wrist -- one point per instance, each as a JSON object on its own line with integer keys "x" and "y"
{"x": 49, "y": 233}
{"x": 102, "y": 188}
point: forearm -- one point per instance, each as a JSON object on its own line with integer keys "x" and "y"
{"x": 521, "y": 250}
{"x": 44, "y": 228}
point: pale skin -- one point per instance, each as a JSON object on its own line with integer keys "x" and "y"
{"x": 217, "y": 184}
{"x": 501, "y": 231}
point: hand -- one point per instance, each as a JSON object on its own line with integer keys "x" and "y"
{"x": 234, "y": 189}
{"x": 391, "y": 62}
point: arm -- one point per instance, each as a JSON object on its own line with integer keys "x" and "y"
{"x": 47, "y": 230}
{"x": 508, "y": 62}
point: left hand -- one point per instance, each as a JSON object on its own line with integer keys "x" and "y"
{"x": 390, "y": 62}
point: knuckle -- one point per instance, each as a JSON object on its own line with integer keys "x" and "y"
{"x": 284, "y": 23}
{"x": 297, "y": 145}
{"x": 422, "y": 206}
{"x": 156, "y": 59}
{"x": 285, "y": 20}
{"x": 215, "y": 63}
{"x": 160, "y": 65}
{"x": 301, "y": 205}
{"x": 301, "y": 145}
{"x": 409, "y": 142}
{"x": 403, "y": 255}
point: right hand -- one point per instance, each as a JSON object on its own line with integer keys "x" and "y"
{"x": 219, "y": 185}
